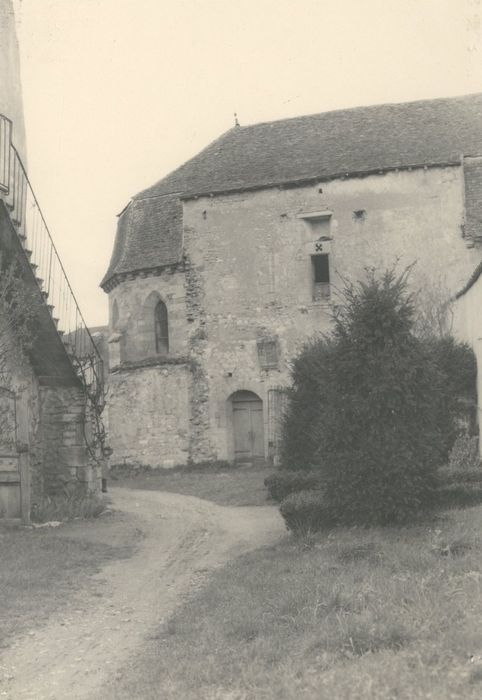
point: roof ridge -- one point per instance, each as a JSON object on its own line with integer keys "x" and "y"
{"x": 375, "y": 106}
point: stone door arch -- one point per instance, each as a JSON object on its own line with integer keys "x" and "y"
{"x": 248, "y": 426}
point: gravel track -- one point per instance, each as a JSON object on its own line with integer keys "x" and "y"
{"x": 83, "y": 647}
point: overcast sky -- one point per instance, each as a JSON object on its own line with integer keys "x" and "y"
{"x": 119, "y": 92}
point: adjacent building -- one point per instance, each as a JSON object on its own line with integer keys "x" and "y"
{"x": 51, "y": 394}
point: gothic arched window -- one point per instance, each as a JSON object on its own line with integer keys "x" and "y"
{"x": 161, "y": 328}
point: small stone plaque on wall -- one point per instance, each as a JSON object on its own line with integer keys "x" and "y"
{"x": 268, "y": 353}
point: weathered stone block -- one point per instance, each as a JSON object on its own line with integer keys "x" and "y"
{"x": 85, "y": 474}
{"x": 73, "y": 456}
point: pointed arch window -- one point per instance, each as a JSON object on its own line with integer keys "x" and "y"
{"x": 161, "y": 328}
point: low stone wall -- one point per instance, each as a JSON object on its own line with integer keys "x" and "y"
{"x": 65, "y": 461}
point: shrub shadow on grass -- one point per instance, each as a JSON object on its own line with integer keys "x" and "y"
{"x": 219, "y": 482}
{"x": 132, "y": 470}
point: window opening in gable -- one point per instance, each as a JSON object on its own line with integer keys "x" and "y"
{"x": 320, "y": 265}
{"x": 161, "y": 328}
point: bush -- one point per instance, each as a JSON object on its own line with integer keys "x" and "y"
{"x": 457, "y": 364}
{"x": 470, "y": 476}
{"x": 460, "y": 482}
{"x": 300, "y": 442}
{"x": 67, "y": 507}
{"x": 464, "y": 456}
{"x": 305, "y": 511}
{"x": 364, "y": 407}
{"x": 283, "y": 483}
{"x": 459, "y": 495}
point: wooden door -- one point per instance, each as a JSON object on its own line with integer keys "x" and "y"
{"x": 248, "y": 427}
{"x": 14, "y": 462}
{"x": 10, "y": 493}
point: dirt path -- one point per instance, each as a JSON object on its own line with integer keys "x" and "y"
{"x": 84, "y": 647}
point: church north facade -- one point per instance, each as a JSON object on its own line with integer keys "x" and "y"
{"x": 222, "y": 270}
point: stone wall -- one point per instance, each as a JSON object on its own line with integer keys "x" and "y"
{"x": 253, "y": 249}
{"x": 49, "y": 427}
{"x": 202, "y": 444}
{"x": 67, "y": 465}
{"x": 241, "y": 304}
{"x": 133, "y": 325}
{"x": 252, "y": 254}
{"x": 149, "y": 414}
{"x": 473, "y": 197}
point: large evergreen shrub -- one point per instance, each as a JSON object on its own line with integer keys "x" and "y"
{"x": 365, "y": 407}
{"x": 310, "y": 374}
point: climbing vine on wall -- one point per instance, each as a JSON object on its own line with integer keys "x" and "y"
{"x": 18, "y": 309}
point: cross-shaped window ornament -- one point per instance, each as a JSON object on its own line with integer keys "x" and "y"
{"x": 318, "y": 247}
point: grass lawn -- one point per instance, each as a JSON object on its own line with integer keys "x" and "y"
{"x": 41, "y": 569}
{"x": 228, "y": 486}
{"x": 353, "y": 614}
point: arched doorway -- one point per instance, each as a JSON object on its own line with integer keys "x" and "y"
{"x": 248, "y": 428}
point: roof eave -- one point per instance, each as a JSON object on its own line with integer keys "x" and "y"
{"x": 114, "y": 279}
{"x": 301, "y": 182}
{"x": 472, "y": 280}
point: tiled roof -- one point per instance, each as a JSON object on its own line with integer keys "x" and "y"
{"x": 319, "y": 146}
{"x": 149, "y": 236}
{"x": 324, "y": 145}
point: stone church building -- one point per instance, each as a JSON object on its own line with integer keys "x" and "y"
{"x": 222, "y": 269}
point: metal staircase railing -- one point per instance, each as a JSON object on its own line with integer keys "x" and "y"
{"x": 37, "y": 243}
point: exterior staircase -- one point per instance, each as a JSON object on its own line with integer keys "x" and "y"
{"x": 64, "y": 351}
